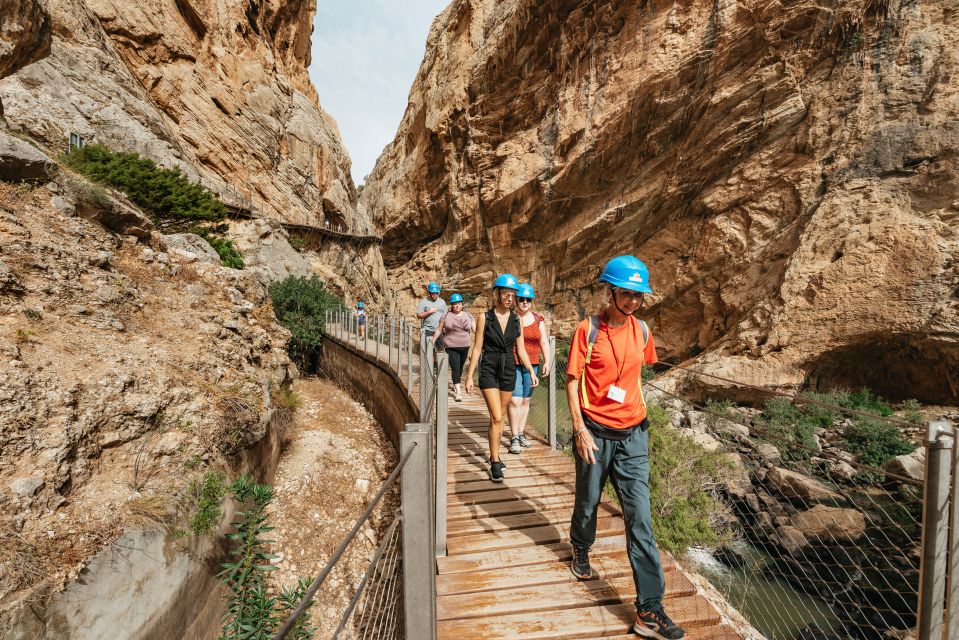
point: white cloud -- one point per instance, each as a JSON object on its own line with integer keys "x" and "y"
{"x": 365, "y": 56}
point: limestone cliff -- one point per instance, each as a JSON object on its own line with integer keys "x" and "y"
{"x": 217, "y": 87}
{"x": 786, "y": 169}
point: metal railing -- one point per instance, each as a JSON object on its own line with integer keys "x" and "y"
{"x": 398, "y": 589}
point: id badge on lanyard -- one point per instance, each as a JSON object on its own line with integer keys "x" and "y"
{"x": 616, "y": 394}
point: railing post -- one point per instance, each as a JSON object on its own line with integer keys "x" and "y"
{"x": 366, "y": 335}
{"x": 423, "y": 340}
{"x": 952, "y": 592}
{"x": 409, "y": 359}
{"x": 935, "y": 526}
{"x": 399, "y": 348}
{"x": 442, "y": 431}
{"x": 551, "y": 395}
{"x": 376, "y": 337}
{"x": 389, "y": 353}
{"x": 419, "y": 574}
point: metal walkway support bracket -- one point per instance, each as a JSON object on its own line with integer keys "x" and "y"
{"x": 938, "y": 537}
{"x": 419, "y": 565}
{"x": 442, "y": 433}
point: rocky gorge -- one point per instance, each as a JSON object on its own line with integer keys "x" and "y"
{"x": 787, "y": 171}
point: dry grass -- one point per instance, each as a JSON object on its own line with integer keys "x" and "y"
{"x": 189, "y": 273}
{"x": 148, "y": 512}
{"x": 21, "y": 337}
{"x": 286, "y": 402}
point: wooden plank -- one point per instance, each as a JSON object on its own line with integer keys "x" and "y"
{"x": 608, "y": 565}
{"x": 524, "y": 537}
{"x": 713, "y": 632}
{"x": 499, "y": 495}
{"x": 583, "y": 622}
{"x": 509, "y": 507}
{"x": 550, "y": 465}
{"x": 526, "y": 556}
{"x": 527, "y": 599}
{"x": 520, "y": 521}
{"x": 510, "y": 482}
{"x": 467, "y": 463}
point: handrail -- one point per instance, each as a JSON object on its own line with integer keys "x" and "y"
{"x": 314, "y": 587}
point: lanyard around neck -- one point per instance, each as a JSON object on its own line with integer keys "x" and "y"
{"x": 612, "y": 347}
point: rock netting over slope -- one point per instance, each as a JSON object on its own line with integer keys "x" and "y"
{"x": 787, "y": 170}
{"x": 216, "y": 87}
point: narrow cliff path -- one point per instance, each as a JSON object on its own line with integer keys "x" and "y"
{"x": 336, "y": 457}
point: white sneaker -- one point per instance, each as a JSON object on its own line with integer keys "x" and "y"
{"x": 458, "y": 397}
{"x": 514, "y": 446}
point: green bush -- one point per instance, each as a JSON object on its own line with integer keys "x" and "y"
{"x": 297, "y": 241}
{"x": 790, "y": 429}
{"x": 300, "y": 305}
{"x": 864, "y": 400}
{"x": 207, "y": 494}
{"x": 875, "y": 441}
{"x": 229, "y": 255}
{"x": 253, "y": 612}
{"x": 910, "y": 410}
{"x": 682, "y": 476}
{"x": 165, "y": 194}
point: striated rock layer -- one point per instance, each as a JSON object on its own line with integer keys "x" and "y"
{"x": 787, "y": 170}
{"x": 216, "y": 87}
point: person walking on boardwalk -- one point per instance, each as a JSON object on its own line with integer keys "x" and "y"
{"x": 361, "y": 318}
{"x": 498, "y": 333}
{"x": 454, "y": 329}
{"x": 536, "y": 341}
{"x": 429, "y": 311}
{"x": 605, "y": 395}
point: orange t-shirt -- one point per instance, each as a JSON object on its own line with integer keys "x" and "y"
{"x": 618, "y": 353}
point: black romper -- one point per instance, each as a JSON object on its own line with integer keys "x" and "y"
{"x": 497, "y": 365}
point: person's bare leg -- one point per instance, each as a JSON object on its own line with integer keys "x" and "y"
{"x": 523, "y": 414}
{"x": 515, "y": 412}
{"x": 504, "y": 398}
{"x": 495, "y": 407}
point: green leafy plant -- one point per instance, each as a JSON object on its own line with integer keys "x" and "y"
{"x": 910, "y": 409}
{"x": 207, "y": 493}
{"x": 682, "y": 480}
{"x": 648, "y": 372}
{"x": 788, "y": 428}
{"x": 875, "y": 441}
{"x": 165, "y": 194}
{"x": 253, "y": 612}
{"x": 229, "y": 255}
{"x": 300, "y": 305}
{"x": 33, "y": 314}
{"x": 297, "y": 241}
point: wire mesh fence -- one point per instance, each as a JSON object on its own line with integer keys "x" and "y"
{"x": 823, "y": 542}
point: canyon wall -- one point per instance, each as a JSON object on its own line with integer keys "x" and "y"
{"x": 786, "y": 169}
{"x": 218, "y": 88}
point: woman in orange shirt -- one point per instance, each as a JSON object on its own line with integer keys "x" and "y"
{"x": 604, "y": 388}
{"x": 537, "y": 348}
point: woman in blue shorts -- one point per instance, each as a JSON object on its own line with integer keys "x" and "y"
{"x": 536, "y": 341}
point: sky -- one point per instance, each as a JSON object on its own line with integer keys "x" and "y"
{"x": 365, "y": 56}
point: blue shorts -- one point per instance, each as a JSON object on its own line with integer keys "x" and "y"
{"x": 524, "y": 382}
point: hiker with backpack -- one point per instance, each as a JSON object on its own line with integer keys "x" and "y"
{"x": 429, "y": 311}
{"x": 536, "y": 341}
{"x": 605, "y": 395}
{"x": 498, "y": 333}
{"x": 455, "y": 328}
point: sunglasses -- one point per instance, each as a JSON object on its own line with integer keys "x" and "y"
{"x": 524, "y": 299}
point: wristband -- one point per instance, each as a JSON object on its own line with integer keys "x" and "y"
{"x": 576, "y": 433}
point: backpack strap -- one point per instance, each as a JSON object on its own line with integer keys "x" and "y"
{"x": 590, "y": 341}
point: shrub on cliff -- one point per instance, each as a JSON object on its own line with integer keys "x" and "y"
{"x": 682, "y": 479}
{"x": 300, "y": 305}
{"x": 165, "y": 194}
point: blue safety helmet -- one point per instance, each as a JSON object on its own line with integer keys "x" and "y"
{"x": 525, "y": 291}
{"x": 433, "y": 288}
{"x": 627, "y": 272}
{"x": 359, "y": 305}
{"x": 506, "y": 281}
{"x": 456, "y": 298}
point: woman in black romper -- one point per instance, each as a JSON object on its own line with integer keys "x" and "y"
{"x": 497, "y": 334}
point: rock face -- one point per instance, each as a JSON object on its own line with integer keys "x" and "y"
{"x": 787, "y": 171}
{"x": 24, "y": 35}
{"x": 216, "y": 87}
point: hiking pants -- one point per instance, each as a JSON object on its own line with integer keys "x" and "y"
{"x": 626, "y": 464}
{"x": 457, "y": 357}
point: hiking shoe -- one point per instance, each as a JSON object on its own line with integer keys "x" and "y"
{"x": 496, "y": 471}
{"x": 458, "y": 397}
{"x": 524, "y": 441}
{"x": 514, "y": 445}
{"x": 654, "y": 623}
{"x": 580, "y": 563}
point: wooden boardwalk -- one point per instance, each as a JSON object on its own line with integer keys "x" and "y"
{"x": 506, "y": 573}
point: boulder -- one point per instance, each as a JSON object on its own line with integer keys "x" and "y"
{"x": 26, "y": 487}
{"x": 704, "y": 440}
{"x": 833, "y": 523}
{"x": 791, "y": 539}
{"x": 21, "y": 161}
{"x": 10, "y": 283}
{"x": 911, "y": 465}
{"x": 25, "y": 35}
{"x": 738, "y": 485}
{"x": 796, "y": 486}
{"x": 191, "y": 247}
{"x": 768, "y": 452}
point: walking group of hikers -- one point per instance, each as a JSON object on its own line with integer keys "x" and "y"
{"x": 605, "y": 396}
